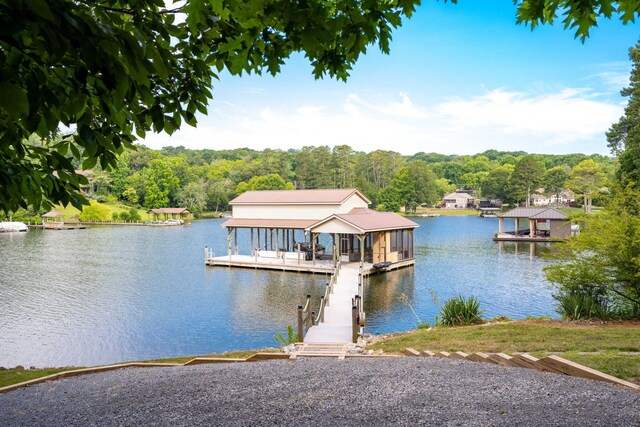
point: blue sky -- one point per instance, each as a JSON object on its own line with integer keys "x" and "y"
{"x": 460, "y": 79}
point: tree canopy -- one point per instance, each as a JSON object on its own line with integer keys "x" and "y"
{"x": 90, "y": 77}
{"x": 112, "y": 70}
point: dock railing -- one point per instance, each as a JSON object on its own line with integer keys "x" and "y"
{"x": 357, "y": 308}
{"x": 305, "y": 319}
{"x": 308, "y": 318}
{"x": 208, "y": 254}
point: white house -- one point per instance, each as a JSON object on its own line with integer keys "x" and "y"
{"x": 540, "y": 198}
{"x": 458, "y": 201}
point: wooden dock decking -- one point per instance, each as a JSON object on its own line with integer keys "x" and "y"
{"x": 288, "y": 264}
{"x": 268, "y": 263}
{"x": 337, "y": 326}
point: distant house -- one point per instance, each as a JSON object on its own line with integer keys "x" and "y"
{"x": 534, "y": 224}
{"x": 541, "y": 198}
{"x": 458, "y": 201}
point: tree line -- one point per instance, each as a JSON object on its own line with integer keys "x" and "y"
{"x": 206, "y": 180}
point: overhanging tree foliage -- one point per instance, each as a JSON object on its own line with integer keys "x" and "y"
{"x": 113, "y": 70}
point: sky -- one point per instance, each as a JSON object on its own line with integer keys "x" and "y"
{"x": 460, "y": 79}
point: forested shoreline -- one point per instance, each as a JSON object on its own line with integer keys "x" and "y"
{"x": 207, "y": 179}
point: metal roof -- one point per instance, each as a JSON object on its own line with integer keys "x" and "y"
{"x": 297, "y": 197}
{"x": 367, "y": 220}
{"x": 52, "y": 214}
{"x": 297, "y": 224}
{"x": 534, "y": 213}
{"x": 459, "y": 196}
{"x": 161, "y": 211}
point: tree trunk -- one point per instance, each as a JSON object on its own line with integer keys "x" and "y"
{"x": 586, "y": 204}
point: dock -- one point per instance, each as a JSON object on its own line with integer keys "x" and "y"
{"x": 340, "y": 318}
{"x": 290, "y": 262}
{"x": 337, "y": 325}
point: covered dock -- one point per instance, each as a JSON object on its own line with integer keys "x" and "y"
{"x": 331, "y": 232}
{"x": 534, "y": 225}
{"x": 169, "y": 216}
{"x": 283, "y": 230}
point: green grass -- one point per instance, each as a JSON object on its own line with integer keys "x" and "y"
{"x": 577, "y": 211}
{"x": 624, "y": 366}
{"x": 71, "y": 213}
{"x": 14, "y": 376}
{"x": 537, "y": 337}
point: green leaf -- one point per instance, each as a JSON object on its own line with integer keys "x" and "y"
{"x": 13, "y": 100}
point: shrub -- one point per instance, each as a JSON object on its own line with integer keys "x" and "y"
{"x": 460, "y": 311}
{"x": 577, "y": 306}
{"x": 117, "y": 217}
{"x": 134, "y": 215}
{"x": 95, "y": 212}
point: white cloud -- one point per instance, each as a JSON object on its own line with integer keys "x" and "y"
{"x": 567, "y": 121}
{"x": 612, "y": 76}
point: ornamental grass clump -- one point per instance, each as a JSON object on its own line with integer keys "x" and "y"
{"x": 460, "y": 311}
{"x": 579, "y": 306}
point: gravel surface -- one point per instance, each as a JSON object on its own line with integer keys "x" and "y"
{"x": 380, "y": 391}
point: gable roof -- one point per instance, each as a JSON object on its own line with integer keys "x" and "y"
{"x": 52, "y": 214}
{"x": 161, "y": 211}
{"x": 458, "y": 196}
{"x": 366, "y": 220}
{"x": 297, "y": 197}
{"x": 534, "y": 213}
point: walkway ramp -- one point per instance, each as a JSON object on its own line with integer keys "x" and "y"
{"x": 337, "y": 326}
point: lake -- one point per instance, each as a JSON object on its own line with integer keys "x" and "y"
{"x": 112, "y": 294}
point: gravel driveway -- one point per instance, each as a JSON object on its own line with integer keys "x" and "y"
{"x": 380, "y": 391}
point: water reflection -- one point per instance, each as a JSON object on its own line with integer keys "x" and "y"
{"x": 87, "y": 297}
{"x": 456, "y": 255}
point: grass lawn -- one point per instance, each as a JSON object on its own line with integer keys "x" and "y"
{"x": 577, "y": 211}
{"x": 539, "y": 337}
{"x": 13, "y": 376}
{"x": 71, "y": 213}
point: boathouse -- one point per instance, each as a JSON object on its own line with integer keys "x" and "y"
{"x": 535, "y": 225}
{"x": 167, "y": 214}
{"x": 313, "y": 230}
{"x": 53, "y": 220}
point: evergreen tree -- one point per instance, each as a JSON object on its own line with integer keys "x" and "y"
{"x": 624, "y": 136}
{"x": 527, "y": 175}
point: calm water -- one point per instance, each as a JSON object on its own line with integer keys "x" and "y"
{"x": 87, "y": 297}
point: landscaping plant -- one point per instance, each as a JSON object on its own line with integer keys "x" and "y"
{"x": 291, "y": 338}
{"x": 460, "y": 311}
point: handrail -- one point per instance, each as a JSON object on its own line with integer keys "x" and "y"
{"x": 358, "y": 315}
{"x": 208, "y": 253}
{"x": 307, "y": 318}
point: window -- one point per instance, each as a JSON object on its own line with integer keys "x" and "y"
{"x": 394, "y": 241}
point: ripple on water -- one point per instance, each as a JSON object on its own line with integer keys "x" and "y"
{"x": 87, "y": 297}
